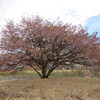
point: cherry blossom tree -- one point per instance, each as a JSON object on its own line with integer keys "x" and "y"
{"x": 38, "y": 42}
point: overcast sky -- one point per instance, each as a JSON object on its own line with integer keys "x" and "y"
{"x": 85, "y": 12}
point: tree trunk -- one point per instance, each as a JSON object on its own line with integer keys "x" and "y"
{"x": 45, "y": 76}
{"x": 44, "y": 72}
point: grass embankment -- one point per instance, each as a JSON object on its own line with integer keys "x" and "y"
{"x": 70, "y": 88}
{"x": 54, "y": 74}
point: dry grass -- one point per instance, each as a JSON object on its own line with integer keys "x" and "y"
{"x": 70, "y": 88}
{"x": 54, "y": 74}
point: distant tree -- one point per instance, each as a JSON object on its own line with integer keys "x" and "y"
{"x": 37, "y": 42}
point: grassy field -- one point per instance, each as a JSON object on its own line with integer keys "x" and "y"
{"x": 70, "y": 88}
{"x": 61, "y": 85}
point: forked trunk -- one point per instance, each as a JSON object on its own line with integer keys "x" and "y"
{"x": 44, "y": 75}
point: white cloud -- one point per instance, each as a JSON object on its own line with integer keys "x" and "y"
{"x": 74, "y": 11}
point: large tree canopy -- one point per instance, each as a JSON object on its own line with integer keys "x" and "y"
{"x": 37, "y": 42}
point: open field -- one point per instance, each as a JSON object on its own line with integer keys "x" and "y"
{"x": 70, "y": 88}
{"x": 62, "y": 85}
